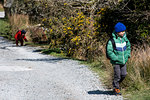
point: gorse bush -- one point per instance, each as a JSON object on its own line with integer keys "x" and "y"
{"x": 75, "y": 35}
{"x": 103, "y": 28}
{"x": 134, "y": 14}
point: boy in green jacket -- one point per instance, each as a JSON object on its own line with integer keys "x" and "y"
{"x": 119, "y": 55}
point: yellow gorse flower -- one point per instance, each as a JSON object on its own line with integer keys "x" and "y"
{"x": 102, "y": 11}
{"x": 65, "y": 4}
{"x": 77, "y": 38}
{"x": 80, "y": 25}
{"x": 51, "y": 30}
{"x": 44, "y": 19}
{"x": 63, "y": 18}
{"x": 69, "y": 50}
{"x": 71, "y": 32}
{"x": 69, "y": 28}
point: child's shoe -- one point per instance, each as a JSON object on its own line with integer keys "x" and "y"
{"x": 117, "y": 91}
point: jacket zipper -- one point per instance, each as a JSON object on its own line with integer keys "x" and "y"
{"x": 123, "y": 52}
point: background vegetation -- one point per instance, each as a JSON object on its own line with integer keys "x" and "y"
{"x": 81, "y": 29}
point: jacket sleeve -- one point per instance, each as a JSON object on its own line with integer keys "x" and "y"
{"x": 16, "y": 36}
{"x": 128, "y": 48}
{"x": 110, "y": 52}
{"x": 25, "y": 38}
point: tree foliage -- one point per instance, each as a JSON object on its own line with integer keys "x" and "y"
{"x": 135, "y": 14}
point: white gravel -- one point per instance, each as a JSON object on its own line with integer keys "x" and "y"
{"x": 29, "y": 75}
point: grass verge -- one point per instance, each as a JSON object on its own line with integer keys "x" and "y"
{"x": 137, "y": 95}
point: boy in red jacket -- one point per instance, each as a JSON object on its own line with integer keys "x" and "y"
{"x": 20, "y": 36}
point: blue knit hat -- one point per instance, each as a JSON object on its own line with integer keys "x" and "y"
{"x": 119, "y": 27}
{"x": 23, "y": 32}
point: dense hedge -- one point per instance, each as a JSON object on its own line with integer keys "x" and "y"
{"x": 135, "y": 14}
{"x": 82, "y": 29}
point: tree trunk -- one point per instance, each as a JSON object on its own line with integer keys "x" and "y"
{"x": 7, "y": 7}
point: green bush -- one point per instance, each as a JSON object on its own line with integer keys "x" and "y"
{"x": 5, "y": 27}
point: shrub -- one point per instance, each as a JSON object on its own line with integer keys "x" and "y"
{"x": 5, "y": 27}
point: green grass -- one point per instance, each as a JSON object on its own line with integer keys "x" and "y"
{"x": 137, "y": 95}
{"x": 4, "y": 27}
{"x": 55, "y": 52}
{"x": 36, "y": 44}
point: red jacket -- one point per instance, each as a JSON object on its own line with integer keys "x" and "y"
{"x": 19, "y": 36}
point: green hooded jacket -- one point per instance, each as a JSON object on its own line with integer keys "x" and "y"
{"x": 122, "y": 52}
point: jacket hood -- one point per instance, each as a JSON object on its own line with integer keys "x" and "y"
{"x": 115, "y": 35}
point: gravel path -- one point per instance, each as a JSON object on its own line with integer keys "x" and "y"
{"x": 28, "y": 75}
